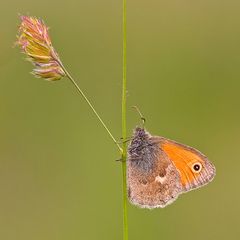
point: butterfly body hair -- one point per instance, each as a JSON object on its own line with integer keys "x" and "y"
{"x": 142, "y": 151}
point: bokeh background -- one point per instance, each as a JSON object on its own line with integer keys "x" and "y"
{"x": 58, "y": 175}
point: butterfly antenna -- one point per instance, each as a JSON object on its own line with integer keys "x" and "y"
{"x": 140, "y": 114}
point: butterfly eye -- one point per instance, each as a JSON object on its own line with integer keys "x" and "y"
{"x": 197, "y": 167}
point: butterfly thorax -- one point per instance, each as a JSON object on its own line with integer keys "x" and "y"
{"x": 142, "y": 150}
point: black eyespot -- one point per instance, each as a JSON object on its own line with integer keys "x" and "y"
{"x": 197, "y": 167}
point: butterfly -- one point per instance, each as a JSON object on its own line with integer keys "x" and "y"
{"x": 159, "y": 170}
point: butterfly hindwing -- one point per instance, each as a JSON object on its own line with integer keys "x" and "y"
{"x": 156, "y": 185}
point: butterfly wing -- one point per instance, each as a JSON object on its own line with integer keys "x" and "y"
{"x": 152, "y": 178}
{"x": 194, "y": 167}
{"x": 158, "y": 170}
{"x": 153, "y": 183}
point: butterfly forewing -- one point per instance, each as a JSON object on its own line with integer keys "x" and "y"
{"x": 194, "y": 167}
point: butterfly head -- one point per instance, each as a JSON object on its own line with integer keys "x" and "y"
{"x": 140, "y": 133}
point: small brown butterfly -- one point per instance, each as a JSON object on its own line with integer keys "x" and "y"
{"x": 159, "y": 169}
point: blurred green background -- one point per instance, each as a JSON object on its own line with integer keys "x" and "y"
{"x": 58, "y": 175}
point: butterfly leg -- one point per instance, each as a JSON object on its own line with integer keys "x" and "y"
{"x": 120, "y": 160}
{"x": 125, "y": 141}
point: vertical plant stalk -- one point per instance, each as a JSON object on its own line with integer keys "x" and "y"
{"x": 124, "y": 123}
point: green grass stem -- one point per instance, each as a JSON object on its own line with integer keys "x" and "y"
{"x": 124, "y": 123}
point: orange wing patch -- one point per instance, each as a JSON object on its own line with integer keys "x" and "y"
{"x": 183, "y": 157}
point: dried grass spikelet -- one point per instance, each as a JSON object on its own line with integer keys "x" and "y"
{"x": 33, "y": 38}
